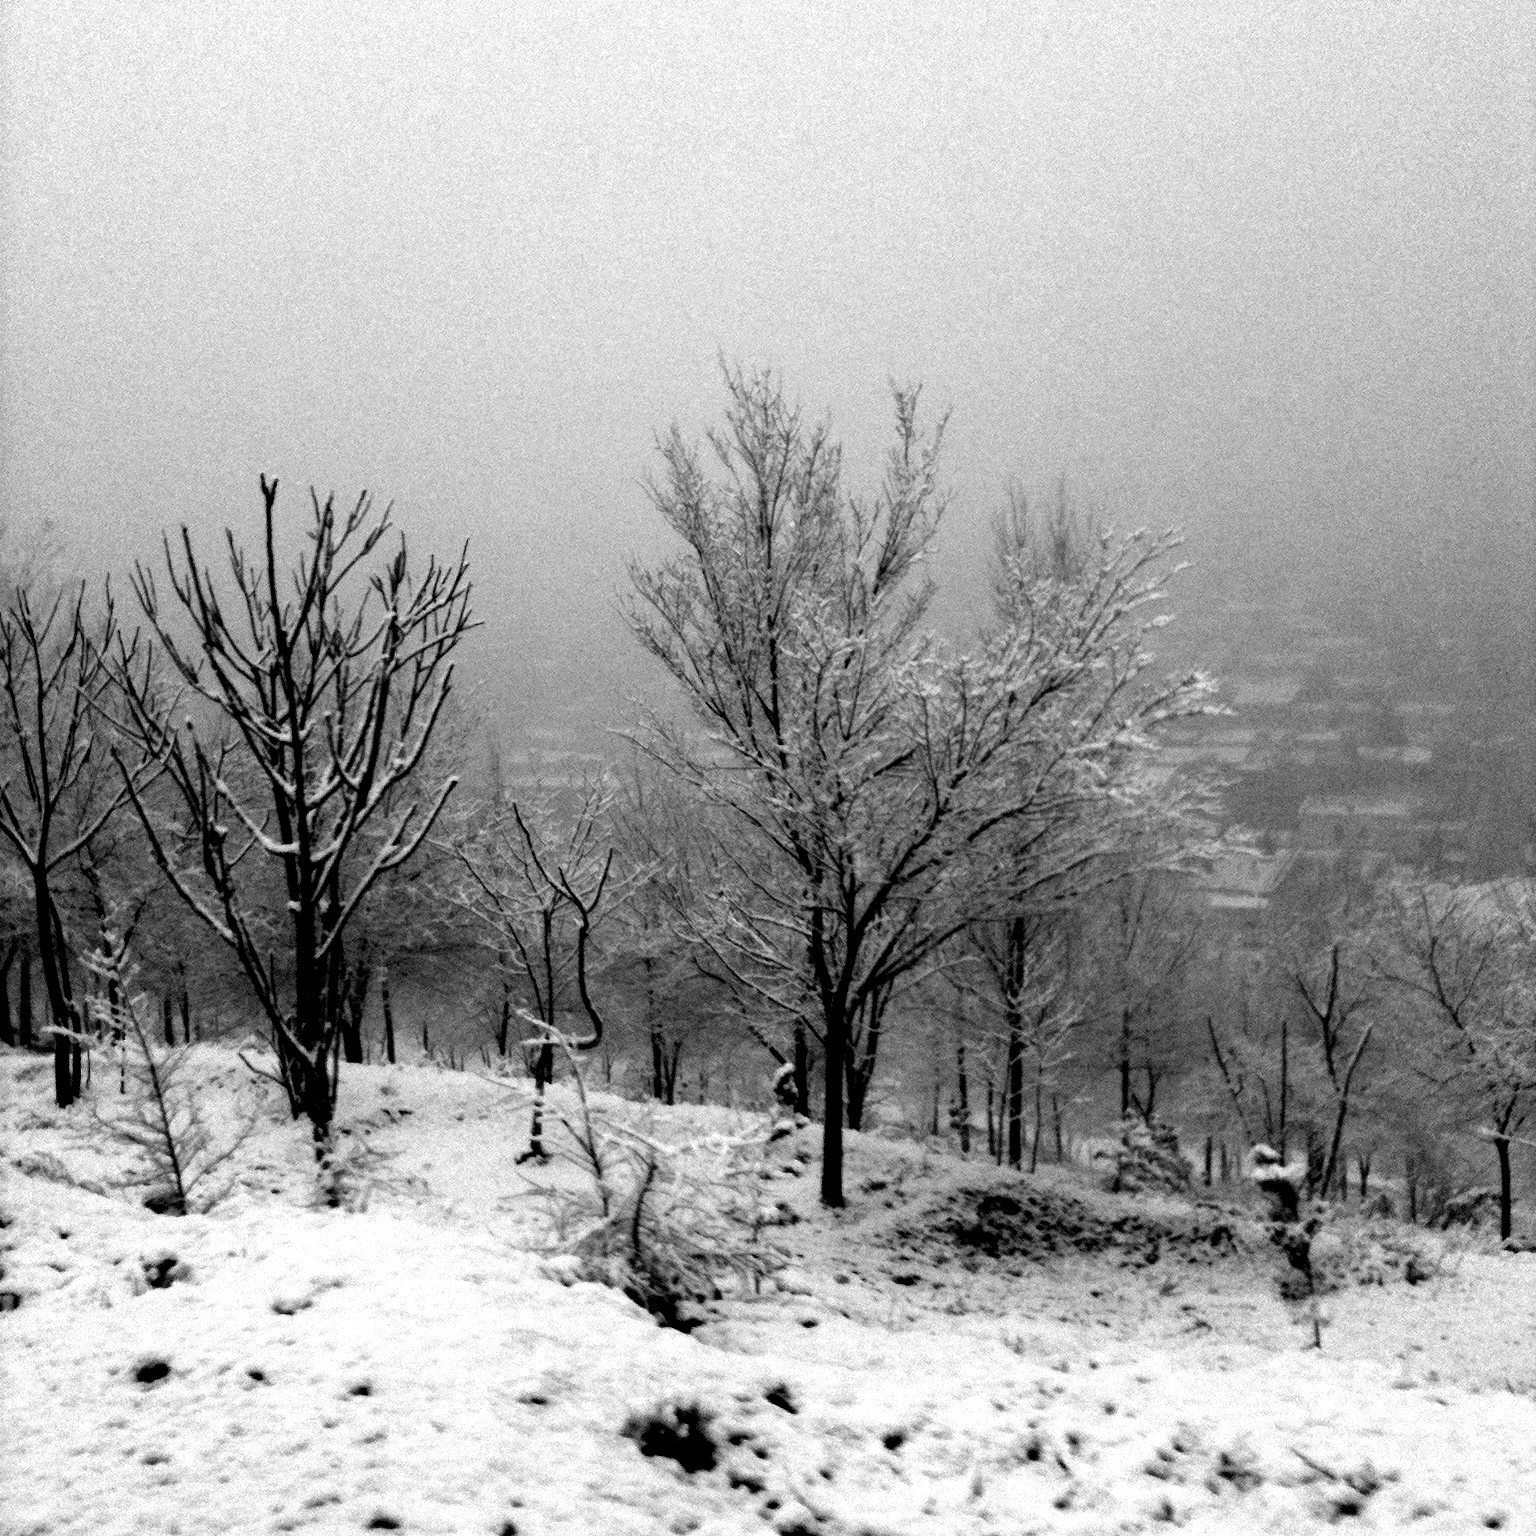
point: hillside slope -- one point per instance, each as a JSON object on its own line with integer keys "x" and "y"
{"x": 960, "y": 1351}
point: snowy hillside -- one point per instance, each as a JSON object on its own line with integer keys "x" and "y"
{"x": 958, "y": 1352}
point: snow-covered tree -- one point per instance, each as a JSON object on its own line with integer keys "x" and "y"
{"x": 1466, "y": 956}
{"x": 537, "y": 879}
{"x": 315, "y": 692}
{"x": 890, "y": 791}
{"x": 57, "y": 790}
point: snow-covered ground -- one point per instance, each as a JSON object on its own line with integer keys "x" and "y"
{"x": 418, "y": 1362}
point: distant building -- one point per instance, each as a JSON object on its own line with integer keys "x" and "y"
{"x": 1239, "y": 888}
{"x": 1384, "y": 823}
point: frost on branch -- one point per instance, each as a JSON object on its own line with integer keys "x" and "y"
{"x": 668, "y": 1225}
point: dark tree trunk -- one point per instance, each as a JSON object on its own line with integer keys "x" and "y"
{"x": 1034, "y": 1141}
{"x": 186, "y": 1005}
{"x": 1125, "y": 1063}
{"x": 168, "y": 1020}
{"x": 63, "y": 1077}
{"x": 861, "y": 1069}
{"x": 994, "y": 1143}
{"x": 802, "y": 1070}
{"x": 1210, "y": 1147}
{"x": 1285, "y": 1078}
{"x": 1015, "y": 966}
{"x": 1014, "y": 1095}
{"x": 543, "y": 1075}
{"x": 962, "y": 1090}
{"x": 657, "y": 1033}
{"x": 1506, "y": 1200}
{"x": 389, "y": 1017}
{"x": 7, "y": 1026}
{"x": 833, "y": 1062}
{"x": 1363, "y": 1168}
{"x": 354, "y": 1004}
{"x": 1061, "y": 1156}
{"x": 50, "y": 933}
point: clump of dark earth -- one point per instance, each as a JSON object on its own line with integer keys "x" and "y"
{"x": 163, "y": 1269}
{"x": 1026, "y": 1221}
{"x": 680, "y": 1433}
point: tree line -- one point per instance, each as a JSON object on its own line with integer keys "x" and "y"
{"x": 849, "y": 838}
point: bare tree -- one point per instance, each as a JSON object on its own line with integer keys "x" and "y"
{"x": 1335, "y": 1003}
{"x": 1138, "y": 938}
{"x": 1017, "y": 969}
{"x": 1467, "y": 956}
{"x": 537, "y": 882}
{"x": 54, "y": 799}
{"x": 875, "y": 775}
{"x": 317, "y": 700}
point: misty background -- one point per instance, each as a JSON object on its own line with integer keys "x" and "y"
{"x": 1262, "y": 271}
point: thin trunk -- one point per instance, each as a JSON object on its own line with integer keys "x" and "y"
{"x": 835, "y": 1054}
{"x": 963, "y": 1091}
{"x": 168, "y": 1019}
{"x": 1034, "y": 1144}
{"x": 7, "y": 1027}
{"x": 1506, "y": 1201}
{"x": 1125, "y": 1063}
{"x": 24, "y": 1033}
{"x": 802, "y": 1070}
{"x": 355, "y": 1004}
{"x": 993, "y": 1145}
{"x": 389, "y": 1017}
{"x": 1285, "y": 1078}
{"x": 50, "y": 936}
{"x": 658, "y": 1038}
{"x": 186, "y": 1006}
{"x": 543, "y": 1068}
{"x": 658, "y": 1064}
{"x": 1210, "y": 1147}
{"x": 1016, "y": 960}
{"x": 1342, "y": 1112}
{"x": 1363, "y": 1168}
{"x": 1061, "y": 1156}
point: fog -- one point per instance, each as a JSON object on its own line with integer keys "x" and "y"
{"x": 1263, "y": 271}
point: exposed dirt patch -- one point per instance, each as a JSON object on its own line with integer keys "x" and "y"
{"x": 1036, "y": 1222}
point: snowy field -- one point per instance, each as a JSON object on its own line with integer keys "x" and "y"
{"x": 424, "y": 1360}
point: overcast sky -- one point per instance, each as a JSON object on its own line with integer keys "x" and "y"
{"x": 1223, "y": 264}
